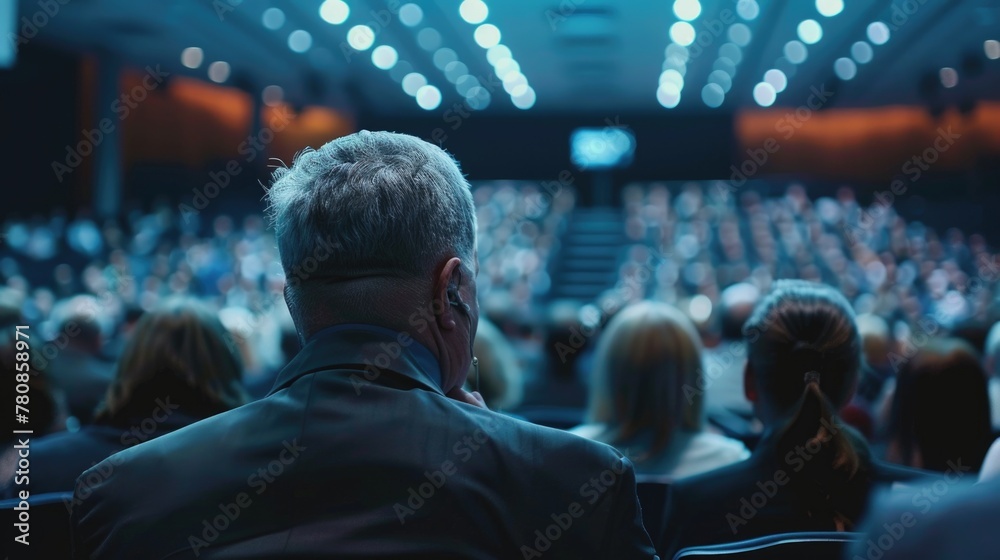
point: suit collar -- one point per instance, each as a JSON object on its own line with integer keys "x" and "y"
{"x": 367, "y": 347}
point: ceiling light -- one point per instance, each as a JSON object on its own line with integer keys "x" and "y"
{"x": 384, "y": 57}
{"x": 334, "y": 12}
{"x": 810, "y": 31}
{"x": 829, "y": 8}
{"x": 764, "y": 94}
{"x": 428, "y": 97}
{"x": 361, "y": 37}
{"x": 473, "y": 11}
{"x": 878, "y": 33}
{"x": 192, "y": 57}
{"x": 682, "y": 33}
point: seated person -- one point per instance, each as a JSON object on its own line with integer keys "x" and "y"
{"x": 949, "y": 520}
{"x": 176, "y": 369}
{"x": 941, "y": 408}
{"x": 558, "y": 382}
{"x": 78, "y": 372}
{"x": 368, "y": 445}
{"x": 724, "y": 363}
{"x": 810, "y": 472}
{"x": 647, "y": 398}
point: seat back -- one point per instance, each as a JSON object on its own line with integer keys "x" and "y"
{"x": 652, "y": 493}
{"x": 48, "y": 523}
{"x": 784, "y": 546}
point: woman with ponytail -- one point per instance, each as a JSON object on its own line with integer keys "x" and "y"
{"x": 810, "y": 472}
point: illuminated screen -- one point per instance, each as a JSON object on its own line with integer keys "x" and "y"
{"x": 602, "y": 148}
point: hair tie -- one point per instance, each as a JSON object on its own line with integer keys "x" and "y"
{"x": 811, "y": 377}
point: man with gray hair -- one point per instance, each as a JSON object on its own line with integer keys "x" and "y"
{"x": 367, "y": 445}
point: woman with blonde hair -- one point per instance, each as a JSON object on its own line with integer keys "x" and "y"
{"x": 646, "y": 394}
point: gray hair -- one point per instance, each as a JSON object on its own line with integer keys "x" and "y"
{"x": 372, "y": 201}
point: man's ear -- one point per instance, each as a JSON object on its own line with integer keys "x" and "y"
{"x": 750, "y": 383}
{"x": 448, "y": 279}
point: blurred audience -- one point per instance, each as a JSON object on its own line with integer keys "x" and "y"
{"x": 700, "y": 249}
{"x": 498, "y": 377}
{"x": 562, "y": 378}
{"x": 178, "y": 367}
{"x": 940, "y": 408}
{"x": 76, "y": 368}
{"x": 723, "y": 377}
{"x": 646, "y": 397}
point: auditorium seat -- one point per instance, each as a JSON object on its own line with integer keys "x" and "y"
{"x": 49, "y": 534}
{"x": 784, "y": 546}
{"x": 652, "y": 493}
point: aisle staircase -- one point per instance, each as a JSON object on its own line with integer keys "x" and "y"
{"x": 587, "y": 263}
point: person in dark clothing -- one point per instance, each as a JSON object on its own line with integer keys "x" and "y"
{"x": 368, "y": 446}
{"x": 810, "y": 472}
{"x": 176, "y": 369}
{"x": 78, "y": 372}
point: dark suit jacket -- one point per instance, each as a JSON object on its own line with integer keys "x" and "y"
{"x": 356, "y": 453}
{"x": 748, "y": 499}
{"x": 58, "y": 459}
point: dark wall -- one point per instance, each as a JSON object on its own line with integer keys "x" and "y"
{"x": 39, "y": 108}
{"x": 527, "y": 146}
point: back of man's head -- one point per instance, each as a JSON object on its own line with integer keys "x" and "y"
{"x": 366, "y": 212}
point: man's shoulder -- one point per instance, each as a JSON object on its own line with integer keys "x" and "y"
{"x": 192, "y": 444}
{"x": 555, "y": 439}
